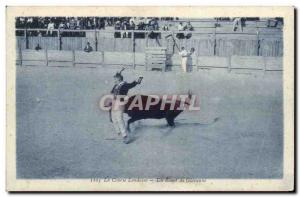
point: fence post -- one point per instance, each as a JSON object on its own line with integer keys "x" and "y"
{"x": 257, "y": 43}
{"x": 21, "y": 58}
{"x": 265, "y": 64}
{"x": 73, "y": 57}
{"x": 102, "y": 54}
{"x": 133, "y": 48}
{"x": 96, "y": 41}
{"x": 26, "y": 39}
{"x": 215, "y": 42}
{"x": 229, "y": 63}
{"x": 147, "y": 39}
{"x": 46, "y": 55}
{"x": 114, "y": 49}
{"x": 59, "y": 39}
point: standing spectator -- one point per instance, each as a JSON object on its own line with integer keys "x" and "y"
{"x": 88, "y": 48}
{"x": 184, "y": 55}
{"x": 237, "y": 23}
{"x": 50, "y": 28}
{"x": 191, "y": 60}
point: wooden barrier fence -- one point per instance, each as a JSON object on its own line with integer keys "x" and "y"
{"x": 96, "y": 59}
{"x": 212, "y": 43}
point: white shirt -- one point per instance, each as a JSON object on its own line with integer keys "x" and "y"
{"x": 51, "y": 26}
{"x": 180, "y": 27}
{"x": 183, "y": 53}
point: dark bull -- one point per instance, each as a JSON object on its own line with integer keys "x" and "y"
{"x": 168, "y": 111}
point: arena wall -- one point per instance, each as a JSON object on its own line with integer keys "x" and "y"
{"x": 205, "y": 44}
{"x": 66, "y": 58}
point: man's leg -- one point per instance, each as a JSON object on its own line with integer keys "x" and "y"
{"x": 115, "y": 122}
{"x": 184, "y": 64}
{"x": 120, "y": 122}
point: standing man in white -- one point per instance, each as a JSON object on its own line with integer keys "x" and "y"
{"x": 191, "y": 60}
{"x": 184, "y": 56}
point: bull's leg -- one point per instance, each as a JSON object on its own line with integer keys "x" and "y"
{"x": 131, "y": 120}
{"x": 170, "y": 121}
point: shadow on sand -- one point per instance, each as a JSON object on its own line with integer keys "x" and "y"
{"x": 166, "y": 129}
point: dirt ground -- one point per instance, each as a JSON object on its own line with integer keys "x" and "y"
{"x": 62, "y": 133}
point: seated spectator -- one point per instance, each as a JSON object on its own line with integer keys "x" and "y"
{"x": 125, "y": 26}
{"x": 132, "y": 25}
{"x": 165, "y": 27}
{"x": 188, "y": 27}
{"x": 118, "y": 27}
{"x": 101, "y": 23}
{"x": 61, "y": 26}
{"x": 38, "y": 47}
{"x": 72, "y": 23}
{"x": 29, "y": 23}
{"x": 271, "y": 22}
{"x": 39, "y": 34}
{"x": 132, "y": 20}
{"x": 180, "y": 27}
{"x": 88, "y": 48}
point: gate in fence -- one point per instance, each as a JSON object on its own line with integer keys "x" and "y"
{"x": 156, "y": 58}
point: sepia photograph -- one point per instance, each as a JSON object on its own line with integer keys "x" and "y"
{"x": 140, "y": 99}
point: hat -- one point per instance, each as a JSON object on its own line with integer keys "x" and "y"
{"x": 119, "y": 75}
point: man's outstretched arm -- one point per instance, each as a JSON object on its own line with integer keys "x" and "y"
{"x": 134, "y": 83}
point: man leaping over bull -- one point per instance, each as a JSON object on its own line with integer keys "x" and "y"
{"x": 120, "y": 89}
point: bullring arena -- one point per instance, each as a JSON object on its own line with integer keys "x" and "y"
{"x": 236, "y": 74}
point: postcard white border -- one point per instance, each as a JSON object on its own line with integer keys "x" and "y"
{"x": 285, "y": 184}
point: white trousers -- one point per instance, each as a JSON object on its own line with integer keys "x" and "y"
{"x": 184, "y": 64}
{"x": 117, "y": 118}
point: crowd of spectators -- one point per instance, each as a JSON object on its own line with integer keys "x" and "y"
{"x": 88, "y": 23}
{"x": 123, "y": 25}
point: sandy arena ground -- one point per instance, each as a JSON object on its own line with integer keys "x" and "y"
{"x": 61, "y": 132}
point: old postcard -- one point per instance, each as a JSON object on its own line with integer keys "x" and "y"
{"x": 150, "y": 99}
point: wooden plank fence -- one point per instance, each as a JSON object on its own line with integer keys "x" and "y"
{"x": 213, "y": 43}
{"x": 65, "y": 58}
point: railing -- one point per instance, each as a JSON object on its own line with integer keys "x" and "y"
{"x": 207, "y": 41}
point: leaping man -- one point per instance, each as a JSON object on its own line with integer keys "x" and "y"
{"x": 121, "y": 87}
